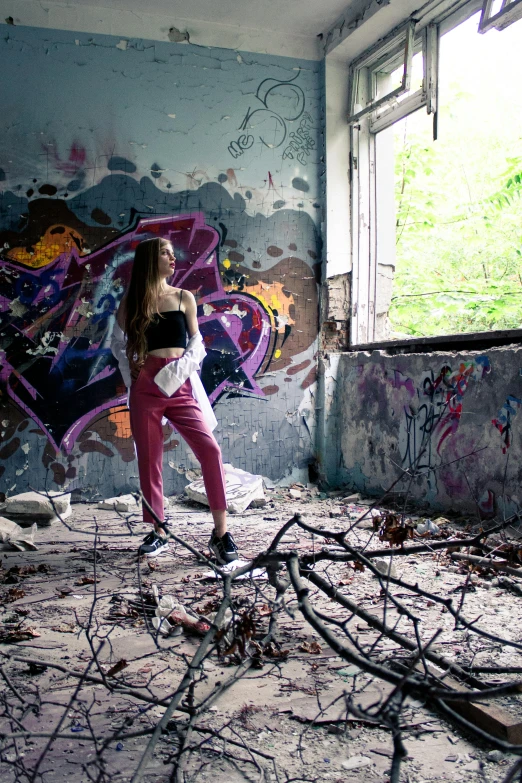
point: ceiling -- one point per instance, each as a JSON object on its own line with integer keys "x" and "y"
{"x": 291, "y": 28}
{"x": 306, "y": 18}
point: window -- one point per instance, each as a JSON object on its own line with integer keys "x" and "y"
{"x": 436, "y": 236}
{"x": 499, "y": 14}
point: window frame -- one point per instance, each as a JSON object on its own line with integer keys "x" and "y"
{"x": 364, "y": 69}
{"x": 364, "y": 127}
{"x": 509, "y": 12}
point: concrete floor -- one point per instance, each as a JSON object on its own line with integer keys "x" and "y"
{"x": 70, "y": 589}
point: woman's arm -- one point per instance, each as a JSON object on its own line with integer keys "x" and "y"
{"x": 191, "y": 313}
{"x": 118, "y": 346}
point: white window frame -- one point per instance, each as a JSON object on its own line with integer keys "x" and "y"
{"x": 510, "y": 11}
{"x": 367, "y": 116}
{"x": 398, "y": 44}
{"x": 365, "y": 123}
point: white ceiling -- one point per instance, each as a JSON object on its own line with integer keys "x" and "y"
{"x": 284, "y": 27}
{"x": 306, "y": 18}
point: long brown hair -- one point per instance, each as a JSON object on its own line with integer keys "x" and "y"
{"x": 142, "y": 298}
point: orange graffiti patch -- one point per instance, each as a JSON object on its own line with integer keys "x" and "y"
{"x": 120, "y": 417}
{"x": 273, "y": 296}
{"x": 56, "y": 240}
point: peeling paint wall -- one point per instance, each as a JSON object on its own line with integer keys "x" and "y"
{"x": 106, "y": 141}
{"x": 454, "y": 418}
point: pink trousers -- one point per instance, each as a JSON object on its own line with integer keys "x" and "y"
{"x": 148, "y": 405}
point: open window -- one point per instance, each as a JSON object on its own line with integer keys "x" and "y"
{"x": 435, "y": 225}
{"x": 385, "y": 83}
{"x": 498, "y": 14}
{"x": 371, "y": 85}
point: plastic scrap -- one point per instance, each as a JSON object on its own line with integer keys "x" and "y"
{"x": 428, "y": 527}
{"x": 243, "y": 489}
{"x": 255, "y": 573}
{"x": 12, "y": 536}
{"x": 171, "y": 614}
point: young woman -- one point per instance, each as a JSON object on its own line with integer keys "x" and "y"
{"x": 150, "y": 343}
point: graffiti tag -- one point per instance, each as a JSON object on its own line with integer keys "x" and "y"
{"x": 281, "y": 102}
{"x": 440, "y": 413}
{"x": 503, "y": 420}
{"x": 301, "y": 142}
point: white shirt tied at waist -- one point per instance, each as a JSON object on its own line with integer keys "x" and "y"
{"x": 174, "y": 374}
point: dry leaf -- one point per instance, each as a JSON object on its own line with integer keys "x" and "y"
{"x": 17, "y": 634}
{"x": 393, "y": 528}
{"x": 313, "y": 647}
{"x": 270, "y": 650}
{"x": 118, "y": 667}
{"x": 86, "y": 580}
{"x": 14, "y": 594}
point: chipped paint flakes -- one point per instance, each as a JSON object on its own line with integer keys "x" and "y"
{"x": 17, "y": 308}
{"x": 122, "y": 44}
{"x": 45, "y": 346}
{"x": 236, "y": 311}
{"x": 85, "y": 309}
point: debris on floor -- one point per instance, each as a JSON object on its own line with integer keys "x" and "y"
{"x": 243, "y": 490}
{"x": 42, "y": 508}
{"x": 123, "y": 503}
{"x": 82, "y": 636}
{"x": 12, "y": 536}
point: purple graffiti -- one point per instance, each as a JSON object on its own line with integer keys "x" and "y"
{"x": 56, "y": 323}
{"x": 440, "y": 412}
{"x": 400, "y": 381}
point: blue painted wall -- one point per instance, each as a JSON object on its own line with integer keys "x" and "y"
{"x": 104, "y": 142}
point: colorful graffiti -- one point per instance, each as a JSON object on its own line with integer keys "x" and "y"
{"x": 57, "y": 306}
{"x": 504, "y": 418}
{"x": 77, "y": 192}
{"x": 57, "y": 319}
{"x": 440, "y": 412}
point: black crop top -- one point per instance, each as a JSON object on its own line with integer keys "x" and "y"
{"x": 167, "y": 330}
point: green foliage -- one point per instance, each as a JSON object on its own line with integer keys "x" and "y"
{"x": 458, "y": 228}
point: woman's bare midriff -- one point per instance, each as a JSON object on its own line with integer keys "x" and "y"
{"x": 167, "y": 353}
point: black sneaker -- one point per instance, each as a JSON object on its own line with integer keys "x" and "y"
{"x": 224, "y": 548}
{"x": 153, "y": 545}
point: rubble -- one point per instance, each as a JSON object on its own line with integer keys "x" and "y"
{"x": 12, "y": 536}
{"x": 243, "y": 490}
{"x": 124, "y": 504}
{"x": 44, "y": 509}
{"x": 385, "y": 567}
{"x": 294, "y": 699}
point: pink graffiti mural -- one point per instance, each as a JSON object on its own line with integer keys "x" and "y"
{"x": 56, "y": 322}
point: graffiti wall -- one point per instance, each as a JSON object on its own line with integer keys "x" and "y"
{"x": 443, "y": 428}
{"x": 106, "y": 142}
